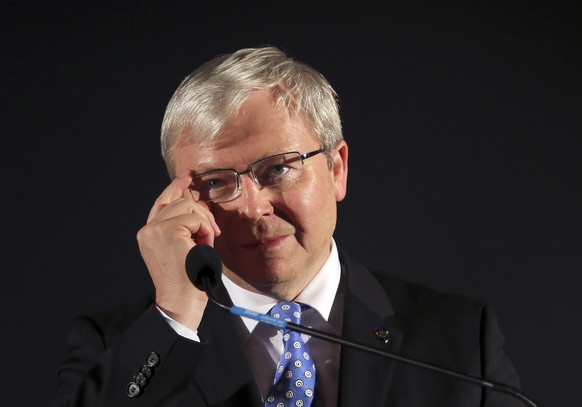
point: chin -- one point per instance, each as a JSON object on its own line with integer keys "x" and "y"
{"x": 269, "y": 275}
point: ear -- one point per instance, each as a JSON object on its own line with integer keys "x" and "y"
{"x": 340, "y": 170}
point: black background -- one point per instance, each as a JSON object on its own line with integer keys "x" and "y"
{"x": 463, "y": 120}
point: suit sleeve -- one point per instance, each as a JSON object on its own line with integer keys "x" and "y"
{"x": 98, "y": 370}
{"x": 496, "y": 366}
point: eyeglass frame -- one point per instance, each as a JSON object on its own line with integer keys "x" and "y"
{"x": 302, "y": 157}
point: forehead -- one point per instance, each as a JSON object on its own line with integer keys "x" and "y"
{"x": 260, "y": 128}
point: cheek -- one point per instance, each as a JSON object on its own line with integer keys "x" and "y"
{"x": 314, "y": 205}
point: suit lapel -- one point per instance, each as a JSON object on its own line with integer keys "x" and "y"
{"x": 365, "y": 378}
{"x": 224, "y": 360}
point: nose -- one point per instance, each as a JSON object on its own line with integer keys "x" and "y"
{"x": 254, "y": 200}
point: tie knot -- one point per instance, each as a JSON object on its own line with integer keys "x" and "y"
{"x": 289, "y": 311}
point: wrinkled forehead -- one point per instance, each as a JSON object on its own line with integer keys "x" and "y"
{"x": 221, "y": 131}
{"x": 260, "y": 130}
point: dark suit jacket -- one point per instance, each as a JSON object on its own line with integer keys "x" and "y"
{"x": 106, "y": 350}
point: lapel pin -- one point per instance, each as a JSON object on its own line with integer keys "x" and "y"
{"x": 382, "y": 334}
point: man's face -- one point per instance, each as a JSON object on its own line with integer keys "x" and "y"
{"x": 272, "y": 241}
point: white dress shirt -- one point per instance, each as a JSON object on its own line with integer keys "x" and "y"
{"x": 264, "y": 344}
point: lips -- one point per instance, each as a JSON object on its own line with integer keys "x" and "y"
{"x": 265, "y": 243}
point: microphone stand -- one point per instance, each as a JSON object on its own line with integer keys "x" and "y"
{"x": 282, "y": 324}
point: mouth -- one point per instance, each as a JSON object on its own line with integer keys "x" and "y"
{"x": 266, "y": 243}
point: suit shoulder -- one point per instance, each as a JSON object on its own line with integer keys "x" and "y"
{"x": 415, "y": 296}
{"x": 417, "y": 303}
{"x": 410, "y": 299}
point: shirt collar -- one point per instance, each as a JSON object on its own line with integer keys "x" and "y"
{"x": 319, "y": 293}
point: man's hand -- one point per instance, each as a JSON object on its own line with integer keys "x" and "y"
{"x": 176, "y": 223}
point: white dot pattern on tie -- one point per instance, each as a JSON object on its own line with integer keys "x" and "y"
{"x": 294, "y": 381}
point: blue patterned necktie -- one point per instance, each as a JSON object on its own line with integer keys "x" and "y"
{"x": 294, "y": 383}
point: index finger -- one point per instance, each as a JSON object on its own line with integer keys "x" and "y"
{"x": 172, "y": 193}
{"x": 194, "y": 195}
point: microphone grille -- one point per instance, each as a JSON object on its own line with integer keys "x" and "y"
{"x": 203, "y": 260}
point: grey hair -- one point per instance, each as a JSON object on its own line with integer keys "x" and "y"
{"x": 215, "y": 91}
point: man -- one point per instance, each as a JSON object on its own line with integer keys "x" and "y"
{"x": 253, "y": 143}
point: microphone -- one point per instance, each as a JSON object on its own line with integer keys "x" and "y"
{"x": 204, "y": 267}
{"x": 203, "y": 262}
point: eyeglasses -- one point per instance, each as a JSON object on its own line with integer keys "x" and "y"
{"x": 277, "y": 171}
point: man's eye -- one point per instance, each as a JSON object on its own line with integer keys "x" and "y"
{"x": 214, "y": 183}
{"x": 276, "y": 171}
{"x": 203, "y": 184}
